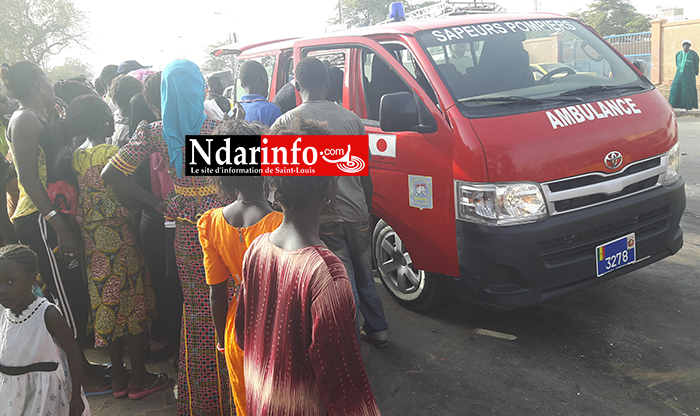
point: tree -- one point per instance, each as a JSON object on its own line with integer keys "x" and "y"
{"x": 614, "y": 17}
{"x": 71, "y": 68}
{"x": 217, "y": 63}
{"x": 356, "y": 13}
{"x": 33, "y": 30}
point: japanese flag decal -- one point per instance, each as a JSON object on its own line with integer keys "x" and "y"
{"x": 383, "y": 145}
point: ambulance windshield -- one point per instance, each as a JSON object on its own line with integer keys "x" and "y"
{"x": 527, "y": 62}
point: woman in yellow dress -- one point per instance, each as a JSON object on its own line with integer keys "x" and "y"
{"x": 122, "y": 299}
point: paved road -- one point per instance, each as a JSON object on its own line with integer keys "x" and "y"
{"x": 689, "y": 130}
{"x": 626, "y": 347}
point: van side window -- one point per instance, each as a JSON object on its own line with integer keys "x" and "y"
{"x": 335, "y": 65}
{"x": 285, "y": 95}
{"x": 403, "y": 55}
{"x": 290, "y": 69}
{"x": 379, "y": 79}
{"x": 367, "y": 86}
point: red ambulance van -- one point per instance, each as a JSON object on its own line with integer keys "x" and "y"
{"x": 515, "y": 158}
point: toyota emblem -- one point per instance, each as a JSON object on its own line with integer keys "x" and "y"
{"x": 613, "y": 160}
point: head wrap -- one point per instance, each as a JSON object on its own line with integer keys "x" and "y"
{"x": 141, "y": 74}
{"x": 182, "y": 106}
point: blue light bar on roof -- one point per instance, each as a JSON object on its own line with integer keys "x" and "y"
{"x": 396, "y": 12}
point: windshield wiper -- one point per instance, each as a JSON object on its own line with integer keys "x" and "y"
{"x": 519, "y": 100}
{"x": 563, "y": 98}
{"x": 504, "y": 99}
{"x": 600, "y": 88}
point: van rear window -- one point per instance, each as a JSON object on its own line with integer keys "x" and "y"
{"x": 525, "y": 64}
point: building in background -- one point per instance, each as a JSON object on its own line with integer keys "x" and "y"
{"x": 671, "y": 14}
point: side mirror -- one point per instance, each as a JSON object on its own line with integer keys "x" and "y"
{"x": 398, "y": 112}
{"x": 641, "y": 65}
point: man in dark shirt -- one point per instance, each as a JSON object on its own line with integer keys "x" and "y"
{"x": 216, "y": 93}
{"x": 346, "y": 228}
{"x": 286, "y": 97}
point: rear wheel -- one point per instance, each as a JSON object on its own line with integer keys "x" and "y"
{"x": 410, "y": 287}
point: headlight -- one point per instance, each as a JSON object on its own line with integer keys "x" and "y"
{"x": 500, "y": 204}
{"x": 673, "y": 163}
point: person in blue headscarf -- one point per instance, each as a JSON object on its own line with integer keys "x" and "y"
{"x": 203, "y": 386}
{"x": 182, "y": 106}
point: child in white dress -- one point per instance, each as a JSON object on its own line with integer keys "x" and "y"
{"x": 40, "y": 371}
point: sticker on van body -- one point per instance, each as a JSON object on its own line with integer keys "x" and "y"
{"x": 420, "y": 192}
{"x": 499, "y": 28}
{"x": 383, "y": 145}
{"x": 580, "y": 113}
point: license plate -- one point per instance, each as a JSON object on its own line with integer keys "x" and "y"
{"x": 615, "y": 254}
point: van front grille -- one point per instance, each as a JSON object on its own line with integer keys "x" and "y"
{"x": 584, "y": 201}
{"x": 586, "y": 180}
{"x": 570, "y": 194}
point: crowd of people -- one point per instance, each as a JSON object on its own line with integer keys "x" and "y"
{"x": 259, "y": 284}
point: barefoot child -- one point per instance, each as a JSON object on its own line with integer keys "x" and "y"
{"x": 225, "y": 234}
{"x": 40, "y": 364}
{"x": 120, "y": 288}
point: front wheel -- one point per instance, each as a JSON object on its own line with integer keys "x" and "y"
{"x": 412, "y": 288}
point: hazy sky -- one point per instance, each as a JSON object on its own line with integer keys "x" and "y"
{"x": 154, "y": 32}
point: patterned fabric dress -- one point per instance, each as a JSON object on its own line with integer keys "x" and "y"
{"x": 203, "y": 385}
{"x": 118, "y": 281}
{"x": 296, "y": 324}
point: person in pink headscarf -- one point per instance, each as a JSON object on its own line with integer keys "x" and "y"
{"x": 141, "y": 74}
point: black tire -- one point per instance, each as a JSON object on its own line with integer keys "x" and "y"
{"x": 411, "y": 288}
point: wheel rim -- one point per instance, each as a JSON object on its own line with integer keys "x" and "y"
{"x": 396, "y": 268}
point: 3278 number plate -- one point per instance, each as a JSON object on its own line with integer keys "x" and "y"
{"x": 615, "y": 254}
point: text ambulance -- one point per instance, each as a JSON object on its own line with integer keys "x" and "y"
{"x": 508, "y": 184}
